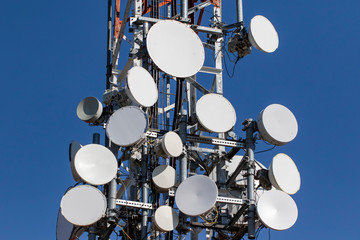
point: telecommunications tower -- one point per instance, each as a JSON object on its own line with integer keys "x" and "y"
{"x": 170, "y": 166}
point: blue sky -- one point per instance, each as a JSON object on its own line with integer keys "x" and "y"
{"x": 53, "y": 54}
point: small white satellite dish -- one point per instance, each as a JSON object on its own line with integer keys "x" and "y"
{"x": 215, "y": 113}
{"x": 171, "y": 144}
{"x": 89, "y": 109}
{"x": 277, "y": 125}
{"x": 141, "y": 87}
{"x": 73, "y": 149}
{"x": 262, "y": 34}
{"x": 175, "y": 48}
{"x": 165, "y": 219}
{"x": 127, "y": 126}
{"x": 196, "y": 195}
{"x": 95, "y": 164}
{"x": 284, "y": 175}
{"x": 63, "y": 228}
{"x": 83, "y": 205}
{"x": 277, "y": 210}
{"x": 164, "y": 177}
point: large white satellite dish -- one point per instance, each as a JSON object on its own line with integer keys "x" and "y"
{"x": 127, "y": 126}
{"x": 277, "y": 210}
{"x": 196, "y": 195}
{"x": 95, "y": 164}
{"x": 73, "y": 149}
{"x": 141, "y": 87}
{"x": 262, "y": 34}
{"x": 277, "y": 125}
{"x": 215, "y": 113}
{"x": 175, "y": 48}
{"x": 89, "y": 109}
{"x": 284, "y": 175}
{"x": 171, "y": 144}
{"x": 83, "y": 205}
{"x": 63, "y": 228}
{"x": 164, "y": 177}
{"x": 165, "y": 219}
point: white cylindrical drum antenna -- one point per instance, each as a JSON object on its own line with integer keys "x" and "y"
{"x": 140, "y": 87}
{"x": 169, "y": 145}
{"x": 196, "y": 195}
{"x": 215, "y": 113}
{"x": 284, "y": 175}
{"x": 89, "y": 109}
{"x": 95, "y": 164}
{"x": 83, "y": 205}
{"x": 164, "y": 177}
{"x": 262, "y": 34}
{"x": 127, "y": 126}
{"x": 277, "y": 125}
{"x": 165, "y": 219}
{"x": 175, "y": 48}
{"x": 277, "y": 210}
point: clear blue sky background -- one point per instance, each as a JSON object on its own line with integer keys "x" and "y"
{"x": 53, "y": 54}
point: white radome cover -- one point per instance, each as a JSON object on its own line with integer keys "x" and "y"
{"x": 172, "y": 144}
{"x": 95, "y": 164}
{"x": 83, "y": 205}
{"x": 175, "y": 48}
{"x": 141, "y": 87}
{"x": 284, "y": 175}
{"x": 127, "y": 126}
{"x": 215, "y": 113}
{"x": 196, "y": 195}
{"x": 166, "y": 219}
{"x": 164, "y": 177}
{"x": 277, "y": 210}
{"x": 262, "y": 34}
{"x": 277, "y": 125}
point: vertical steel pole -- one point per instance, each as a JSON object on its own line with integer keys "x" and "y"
{"x": 108, "y": 51}
{"x": 239, "y": 11}
{"x": 182, "y": 133}
{"x": 250, "y": 146}
{"x": 144, "y": 217}
{"x": 92, "y": 230}
{"x": 184, "y": 9}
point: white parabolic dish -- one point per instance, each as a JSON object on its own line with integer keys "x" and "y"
{"x": 95, "y": 164}
{"x": 215, "y": 113}
{"x": 166, "y": 219}
{"x": 141, "y": 87}
{"x": 196, "y": 195}
{"x": 63, "y": 228}
{"x": 277, "y": 125}
{"x": 73, "y": 149}
{"x": 127, "y": 126}
{"x": 83, "y": 205}
{"x": 284, "y": 175}
{"x": 172, "y": 144}
{"x": 262, "y": 34}
{"x": 175, "y": 48}
{"x": 164, "y": 177}
{"x": 277, "y": 210}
